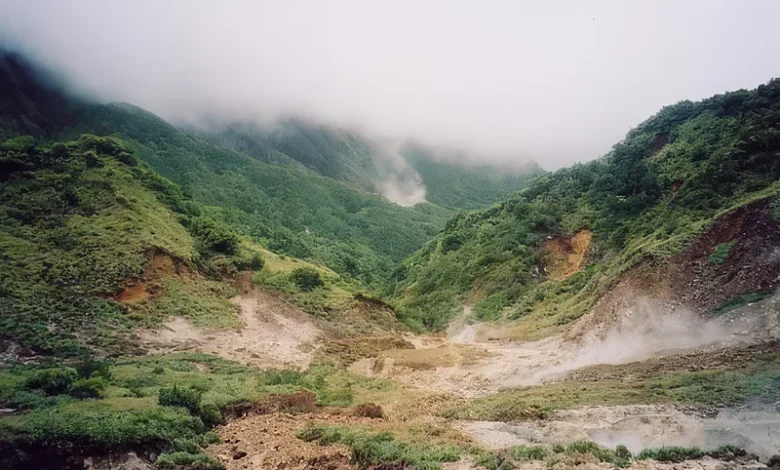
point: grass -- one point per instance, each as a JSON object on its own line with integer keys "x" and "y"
{"x": 678, "y": 454}
{"x": 187, "y": 460}
{"x": 202, "y": 301}
{"x": 721, "y": 252}
{"x": 583, "y": 452}
{"x": 574, "y": 454}
{"x": 150, "y": 400}
{"x": 740, "y": 301}
{"x": 713, "y": 387}
{"x": 370, "y": 449}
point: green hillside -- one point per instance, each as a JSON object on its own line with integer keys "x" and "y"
{"x": 350, "y": 157}
{"x": 463, "y": 185}
{"x": 79, "y": 221}
{"x": 331, "y": 152}
{"x": 655, "y": 190}
{"x": 289, "y": 209}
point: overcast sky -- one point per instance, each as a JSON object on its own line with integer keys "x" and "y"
{"x": 557, "y": 81}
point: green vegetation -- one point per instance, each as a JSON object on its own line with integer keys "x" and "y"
{"x": 663, "y": 184}
{"x": 162, "y": 402}
{"x": 187, "y": 460}
{"x": 579, "y": 452}
{"x": 280, "y": 206}
{"x": 463, "y": 185}
{"x": 740, "y": 301}
{"x": 678, "y": 454}
{"x": 78, "y": 221}
{"x": 347, "y": 156}
{"x": 721, "y": 252}
{"x": 575, "y": 453}
{"x": 369, "y": 449}
{"x": 307, "y": 279}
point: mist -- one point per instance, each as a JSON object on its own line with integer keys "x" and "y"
{"x": 557, "y": 82}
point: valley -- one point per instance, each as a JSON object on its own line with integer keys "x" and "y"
{"x": 237, "y": 297}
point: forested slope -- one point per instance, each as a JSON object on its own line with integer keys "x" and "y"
{"x": 284, "y": 206}
{"x": 658, "y": 188}
{"x": 464, "y": 181}
{"x": 452, "y": 180}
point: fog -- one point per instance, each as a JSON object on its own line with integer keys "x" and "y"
{"x": 647, "y": 327}
{"x": 555, "y": 81}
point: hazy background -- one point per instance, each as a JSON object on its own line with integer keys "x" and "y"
{"x": 556, "y": 81}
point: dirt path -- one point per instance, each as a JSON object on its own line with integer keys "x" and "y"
{"x": 273, "y": 333}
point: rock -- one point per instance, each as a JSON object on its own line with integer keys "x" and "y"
{"x": 369, "y": 410}
{"x": 238, "y": 454}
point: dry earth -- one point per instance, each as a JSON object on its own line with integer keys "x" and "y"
{"x": 273, "y": 333}
{"x": 434, "y": 372}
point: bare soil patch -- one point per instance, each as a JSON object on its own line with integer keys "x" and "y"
{"x": 273, "y": 334}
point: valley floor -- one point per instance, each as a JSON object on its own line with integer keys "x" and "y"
{"x": 690, "y": 384}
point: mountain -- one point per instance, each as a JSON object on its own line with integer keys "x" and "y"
{"x": 288, "y": 208}
{"x": 459, "y": 181}
{"x": 696, "y": 180}
{"x": 331, "y": 152}
{"x": 179, "y": 299}
{"x": 377, "y": 167}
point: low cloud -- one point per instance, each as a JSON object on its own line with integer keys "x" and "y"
{"x": 558, "y": 82}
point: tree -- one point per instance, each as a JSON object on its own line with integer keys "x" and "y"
{"x": 307, "y": 279}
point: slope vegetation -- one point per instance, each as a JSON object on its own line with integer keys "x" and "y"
{"x": 648, "y": 198}
{"x": 282, "y": 204}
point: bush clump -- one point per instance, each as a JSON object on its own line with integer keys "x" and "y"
{"x": 307, "y": 279}
{"x": 371, "y": 450}
{"x": 211, "y": 437}
{"x": 190, "y": 398}
{"x": 186, "y": 397}
{"x": 529, "y": 453}
{"x": 88, "y": 388}
{"x": 671, "y": 454}
{"x": 52, "y": 381}
{"x": 186, "y": 460}
{"x": 92, "y": 368}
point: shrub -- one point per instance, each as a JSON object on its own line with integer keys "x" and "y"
{"x": 254, "y": 263}
{"x": 88, "y": 388}
{"x": 280, "y": 377}
{"x": 186, "y": 445}
{"x": 52, "y": 381}
{"x": 307, "y": 279}
{"x": 214, "y": 236}
{"x": 495, "y": 461}
{"x": 92, "y": 368}
{"x": 185, "y": 397}
{"x": 211, "y": 437}
{"x": 622, "y": 452}
{"x": 600, "y": 453}
{"x": 528, "y": 453}
{"x": 371, "y": 450}
{"x": 671, "y": 454}
{"x": 727, "y": 452}
{"x": 189, "y": 461}
{"x": 108, "y": 429}
{"x": 210, "y": 415}
{"x": 491, "y": 307}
